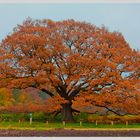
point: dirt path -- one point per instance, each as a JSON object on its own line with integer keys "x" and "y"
{"x": 70, "y": 133}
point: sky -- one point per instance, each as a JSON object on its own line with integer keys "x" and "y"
{"x": 123, "y": 17}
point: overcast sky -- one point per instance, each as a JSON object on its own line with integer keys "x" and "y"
{"x": 124, "y": 18}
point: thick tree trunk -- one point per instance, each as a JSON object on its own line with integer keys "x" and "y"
{"x": 67, "y": 113}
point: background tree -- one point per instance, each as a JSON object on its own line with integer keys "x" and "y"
{"x": 29, "y": 100}
{"x": 69, "y": 58}
{"x": 6, "y": 99}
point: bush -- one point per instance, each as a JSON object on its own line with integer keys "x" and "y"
{"x": 13, "y": 117}
{"x": 39, "y": 116}
{"x": 81, "y": 117}
{"x": 114, "y": 118}
{"x": 57, "y": 118}
{"x": 131, "y": 119}
{"x": 85, "y": 117}
{"x": 43, "y": 117}
{"x": 101, "y": 119}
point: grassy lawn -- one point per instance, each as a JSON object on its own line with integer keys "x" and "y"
{"x": 45, "y": 126}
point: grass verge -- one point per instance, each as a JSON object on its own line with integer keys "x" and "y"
{"x": 60, "y": 125}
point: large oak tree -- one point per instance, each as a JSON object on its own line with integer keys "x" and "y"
{"x": 70, "y": 59}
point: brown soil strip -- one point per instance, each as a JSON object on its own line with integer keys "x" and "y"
{"x": 69, "y": 133}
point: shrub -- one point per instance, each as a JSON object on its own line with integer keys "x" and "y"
{"x": 115, "y": 118}
{"x": 39, "y": 116}
{"x": 13, "y": 117}
{"x": 57, "y": 118}
{"x": 131, "y": 119}
{"x": 82, "y": 116}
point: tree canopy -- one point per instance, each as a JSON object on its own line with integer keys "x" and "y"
{"x": 71, "y": 59}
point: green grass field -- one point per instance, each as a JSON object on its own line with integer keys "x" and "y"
{"x": 45, "y": 126}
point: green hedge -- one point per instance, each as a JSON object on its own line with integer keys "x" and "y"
{"x": 81, "y": 117}
{"x": 38, "y": 116}
{"x": 23, "y": 117}
{"x": 85, "y": 117}
{"x": 14, "y": 117}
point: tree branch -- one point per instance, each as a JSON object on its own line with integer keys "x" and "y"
{"x": 47, "y": 92}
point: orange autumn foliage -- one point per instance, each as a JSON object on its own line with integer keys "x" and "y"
{"x": 6, "y": 99}
{"x": 70, "y": 58}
